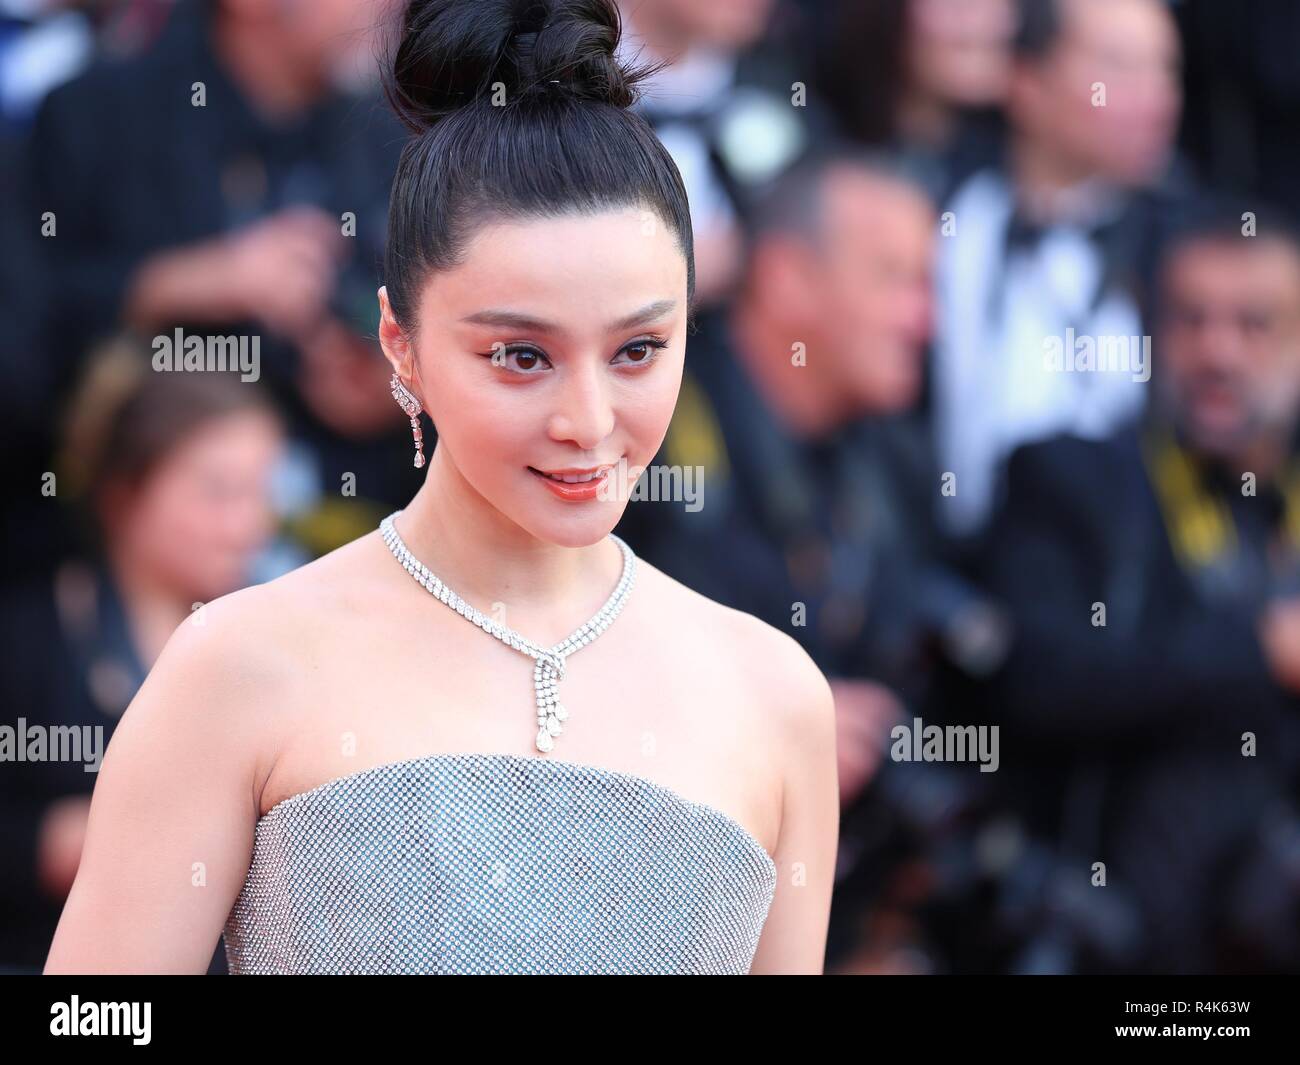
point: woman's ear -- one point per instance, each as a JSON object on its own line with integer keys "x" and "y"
{"x": 398, "y": 348}
{"x": 393, "y": 339}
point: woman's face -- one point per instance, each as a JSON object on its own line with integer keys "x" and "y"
{"x": 959, "y": 51}
{"x": 556, "y": 346}
{"x": 201, "y": 515}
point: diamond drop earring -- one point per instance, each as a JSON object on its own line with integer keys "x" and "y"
{"x": 407, "y": 400}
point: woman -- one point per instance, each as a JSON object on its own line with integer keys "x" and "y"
{"x": 171, "y": 474}
{"x": 922, "y": 79}
{"x": 357, "y": 778}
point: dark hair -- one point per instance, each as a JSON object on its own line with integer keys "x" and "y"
{"x": 858, "y": 61}
{"x": 519, "y": 109}
{"x": 1216, "y": 218}
{"x": 795, "y": 202}
{"x": 1207, "y": 219}
{"x": 124, "y": 419}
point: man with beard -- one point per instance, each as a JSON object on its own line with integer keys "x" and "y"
{"x": 1149, "y": 712}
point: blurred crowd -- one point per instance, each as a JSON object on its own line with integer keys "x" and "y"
{"x": 993, "y": 396}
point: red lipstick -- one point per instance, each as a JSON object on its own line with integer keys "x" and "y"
{"x": 574, "y": 491}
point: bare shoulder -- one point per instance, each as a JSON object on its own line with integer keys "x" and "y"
{"x": 234, "y": 673}
{"x": 784, "y": 682}
{"x": 253, "y": 633}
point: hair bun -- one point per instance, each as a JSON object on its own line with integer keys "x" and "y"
{"x": 449, "y": 53}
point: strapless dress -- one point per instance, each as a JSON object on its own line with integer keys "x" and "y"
{"x": 498, "y": 863}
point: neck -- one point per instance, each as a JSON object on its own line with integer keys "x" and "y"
{"x": 924, "y": 119}
{"x": 547, "y": 589}
{"x": 800, "y": 397}
{"x": 1263, "y": 456}
{"x": 253, "y": 56}
{"x": 1050, "y": 187}
{"x": 153, "y": 607}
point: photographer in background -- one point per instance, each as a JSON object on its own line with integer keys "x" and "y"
{"x": 230, "y": 181}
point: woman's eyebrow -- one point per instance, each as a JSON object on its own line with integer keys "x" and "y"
{"x": 649, "y": 313}
{"x": 516, "y": 320}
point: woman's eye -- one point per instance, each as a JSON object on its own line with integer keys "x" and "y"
{"x": 519, "y": 359}
{"x": 641, "y": 351}
{"x": 524, "y": 360}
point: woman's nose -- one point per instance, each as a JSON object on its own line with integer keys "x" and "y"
{"x": 584, "y": 414}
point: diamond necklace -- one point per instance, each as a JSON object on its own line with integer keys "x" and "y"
{"x": 550, "y": 662}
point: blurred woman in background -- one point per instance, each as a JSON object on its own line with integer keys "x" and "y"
{"x": 925, "y": 78}
{"x": 170, "y": 474}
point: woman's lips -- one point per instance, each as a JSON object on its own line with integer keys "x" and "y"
{"x": 574, "y": 490}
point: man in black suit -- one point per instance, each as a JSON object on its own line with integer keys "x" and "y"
{"x": 1056, "y": 237}
{"x": 1148, "y": 706}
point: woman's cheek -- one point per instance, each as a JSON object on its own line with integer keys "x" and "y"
{"x": 469, "y": 411}
{"x": 493, "y": 436}
{"x": 648, "y": 420}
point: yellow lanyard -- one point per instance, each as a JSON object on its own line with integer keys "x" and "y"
{"x": 1199, "y": 523}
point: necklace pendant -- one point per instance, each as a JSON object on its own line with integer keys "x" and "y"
{"x": 550, "y": 713}
{"x": 550, "y": 662}
{"x": 548, "y": 720}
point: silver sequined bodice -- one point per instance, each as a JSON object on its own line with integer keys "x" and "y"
{"x": 494, "y": 863}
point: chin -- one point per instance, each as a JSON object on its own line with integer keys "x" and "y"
{"x": 1218, "y": 440}
{"x": 904, "y": 398}
{"x": 1139, "y": 171}
{"x": 567, "y": 524}
{"x": 884, "y": 398}
{"x": 580, "y": 530}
